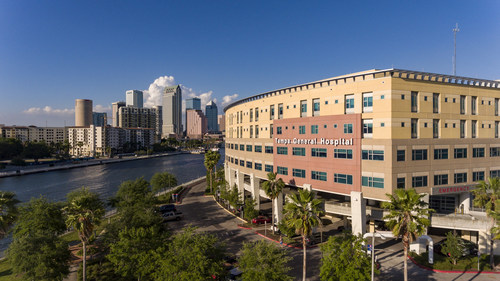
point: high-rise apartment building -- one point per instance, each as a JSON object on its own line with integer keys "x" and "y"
{"x": 357, "y": 137}
{"x": 135, "y": 117}
{"x": 159, "y": 122}
{"x": 196, "y": 124}
{"x": 99, "y": 119}
{"x": 222, "y": 123}
{"x": 193, "y": 103}
{"x": 83, "y": 112}
{"x": 172, "y": 112}
{"x": 115, "y": 111}
{"x": 211, "y": 113}
{"x": 134, "y": 98}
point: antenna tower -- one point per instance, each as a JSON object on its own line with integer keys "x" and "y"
{"x": 455, "y": 30}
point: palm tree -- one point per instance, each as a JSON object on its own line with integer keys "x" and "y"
{"x": 84, "y": 211}
{"x": 8, "y": 211}
{"x": 211, "y": 159}
{"x": 302, "y": 214}
{"x": 408, "y": 218}
{"x": 273, "y": 188}
{"x": 487, "y": 195}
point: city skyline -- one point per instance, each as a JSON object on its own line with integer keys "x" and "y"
{"x": 57, "y": 52}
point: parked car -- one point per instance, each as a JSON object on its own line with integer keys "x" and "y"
{"x": 469, "y": 248}
{"x": 261, "y": 219}
{"x": 170, "y": 216}
{"x": 235, "y": 274}
{"x": 167, "y": 208}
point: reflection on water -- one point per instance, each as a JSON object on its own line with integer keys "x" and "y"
{"x": 102, "y": 179}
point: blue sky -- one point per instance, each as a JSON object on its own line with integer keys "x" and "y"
{"x": 53, "y": 52}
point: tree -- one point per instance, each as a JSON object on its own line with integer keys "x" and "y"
{"x": 133, "y": 193}
{"x": 452, "y": 247}
{"x": 191, "y": 256}
{"x": 302, "y": 213}
{"x": 343, "y": 258}
{"x": 161, "y": 181}
{"x": 36, "y": 150}
{"x": 84, "y": 210}
{"x": 408, "y": 218}
{"x": 487, "y": 195}
{"x": 211, "y": 159}
{"x": 273, "y": 188}
{"x": 249, "y": 211}
{"x": 10, "y": 147}
{"x": 260, "y": 260}
{"x": 37, "y": 252}
{"x": 137, "y": 251}
{"x": 8, "y": 211}
{"x": 136, "y": 205}
{"x": 233, "y": 197}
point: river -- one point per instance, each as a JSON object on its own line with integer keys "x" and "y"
{"x": 102, "y": 179}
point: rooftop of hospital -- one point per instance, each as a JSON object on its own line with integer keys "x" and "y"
{"x": 377, "y": 73}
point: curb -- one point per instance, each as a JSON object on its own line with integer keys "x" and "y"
{"x": 242, "y": 227}
{"x": 450, "y": 271}
{"x": 225, "y": 208}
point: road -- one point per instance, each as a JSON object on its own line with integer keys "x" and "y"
{"x": 204, "y": 213}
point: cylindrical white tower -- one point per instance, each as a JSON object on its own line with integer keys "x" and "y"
{"x": 83, "y": 112}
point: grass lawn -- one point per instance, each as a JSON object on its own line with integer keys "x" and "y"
{"x": 6, "y": 273}
{"x": 468, "y": 263}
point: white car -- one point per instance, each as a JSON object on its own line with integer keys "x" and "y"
{"x": 170, "y": 216}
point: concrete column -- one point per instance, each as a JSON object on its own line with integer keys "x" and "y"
{"x": 464, "y": 202}
{"x": 484, "y": 242}
{"x": 255, "y": 187}
{"x": 358, "y": 213}
{"x": 278, "y": 208}
{"x": 307, "y": 187}
{"x": 426, "y": 199}
{"x": 227, "y": 172}
{"x": 241, "y": 187}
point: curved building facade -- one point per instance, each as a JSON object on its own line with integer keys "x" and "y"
{"x": 83, "y": 113}
{"x": 357, "y": 137}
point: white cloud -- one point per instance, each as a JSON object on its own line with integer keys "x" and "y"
{"x": 102, "y": 108}
{"x": 153, "y": 95}
{"x": 47, "y": 110}
{"x": 226, "y": 100}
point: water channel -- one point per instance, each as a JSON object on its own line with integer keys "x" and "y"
{"x": 102, "y": 179}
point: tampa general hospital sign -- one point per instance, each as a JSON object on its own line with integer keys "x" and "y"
{"x": 321, "y": 141}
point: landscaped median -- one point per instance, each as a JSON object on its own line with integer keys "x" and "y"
{"x": 442, "y": 264}
{"x": 294, "y": 242}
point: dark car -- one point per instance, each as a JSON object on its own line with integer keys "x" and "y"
{"x": 469, "y": 248}
{"x": 167, "y": 208}
{"x": 261, "y": 219}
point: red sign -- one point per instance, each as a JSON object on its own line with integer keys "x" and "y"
{"x": 453, "y": 189}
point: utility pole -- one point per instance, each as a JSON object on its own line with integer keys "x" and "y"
{"x": 455, "y": 30}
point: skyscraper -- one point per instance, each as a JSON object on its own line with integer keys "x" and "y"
{"x": 194, "y": 103}
{"x": 116, "y": 110}
{"x": 134, "y": 98}
{"x": 99, "y": 119}
{"x": 172, "y": 112}
{"x": 83, "y": 113}
{"x": 211, "y": 113}
{"x": 196, "y": 124}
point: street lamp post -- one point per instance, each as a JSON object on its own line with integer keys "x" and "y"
{"x": 379, "y": 235}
